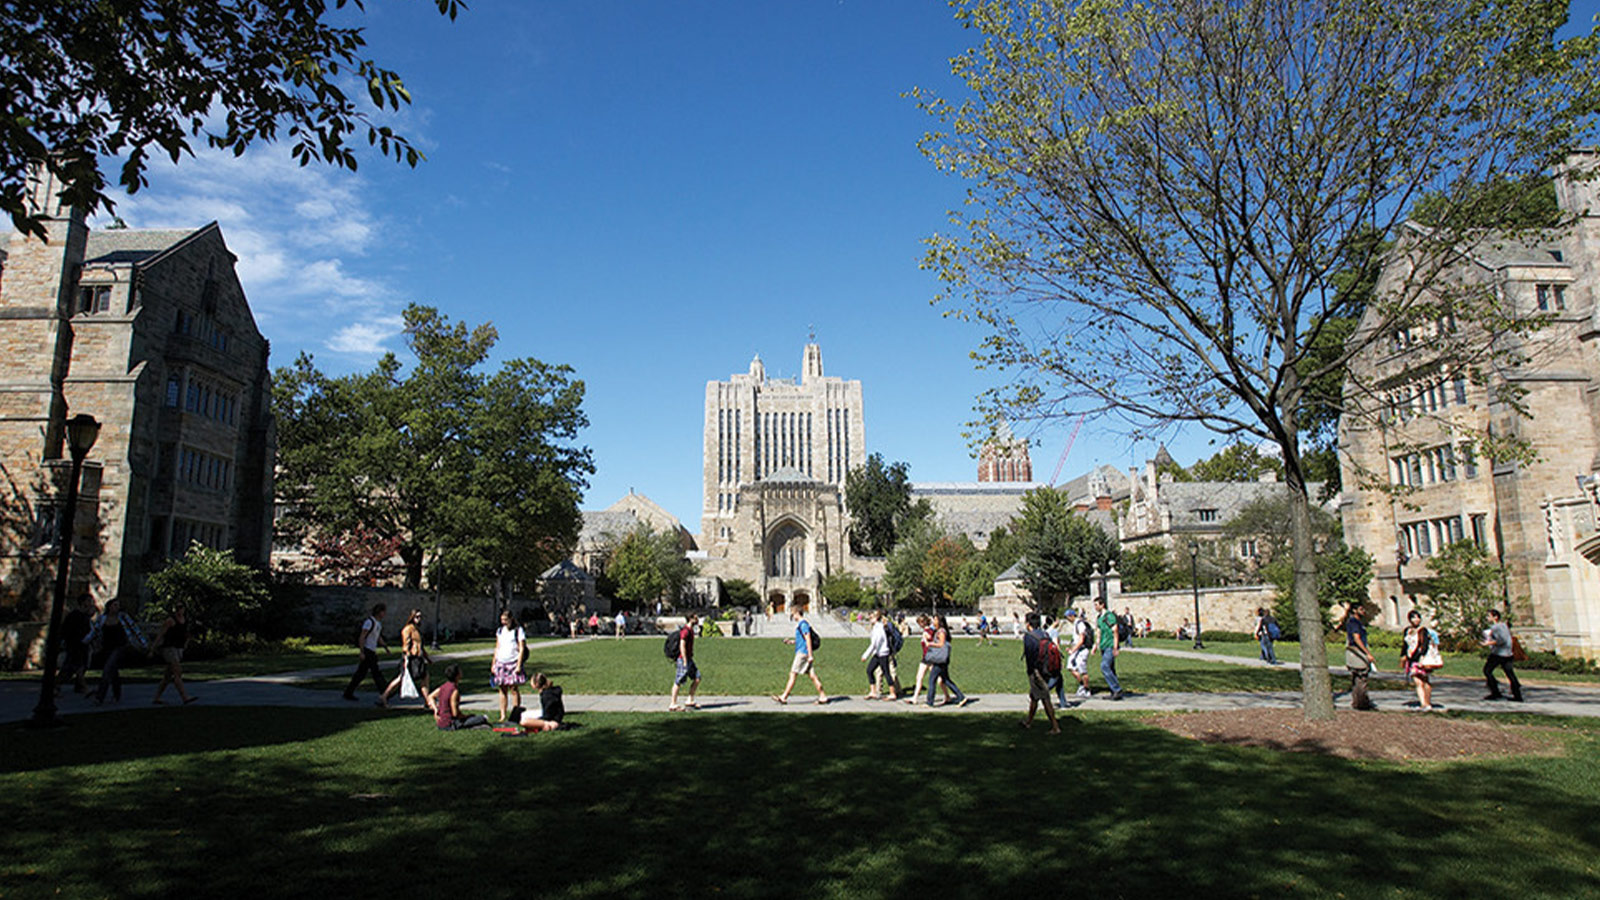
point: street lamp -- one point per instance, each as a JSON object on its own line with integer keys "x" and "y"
{"x": 82, "y": 429}
{"x": 1194, "y": 577}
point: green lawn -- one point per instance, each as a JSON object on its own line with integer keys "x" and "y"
{"x": 332, "y": 803}
{"x": 1465, "y": 665}
{"x": 756, "y": 666}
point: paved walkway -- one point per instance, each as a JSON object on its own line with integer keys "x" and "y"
{"x": 17, "y": 698}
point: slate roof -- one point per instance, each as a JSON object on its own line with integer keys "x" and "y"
{"x": 565, "y": 571}
{"x": 1186, "y": 498}
{"x": 600, "y": 522}
{"x": 133, "y": 245}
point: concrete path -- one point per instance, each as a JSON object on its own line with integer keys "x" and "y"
{"x": 17, "y": 698}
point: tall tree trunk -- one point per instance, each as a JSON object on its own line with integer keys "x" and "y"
{"x": 411, "y": 555}
{"x": 1316, "y": 687}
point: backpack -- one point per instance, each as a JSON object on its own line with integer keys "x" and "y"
{"x": 816, "y": 639}
{"x": 1122, "y": 631}
{"x": 1273, "y": 631}
{"x": 362, "y": 628}
{"x": 671, "y": 647}
{"x": 894, "y": 637}
{"x": 1049, "y": 656}
{"x": 1088, "y": 634}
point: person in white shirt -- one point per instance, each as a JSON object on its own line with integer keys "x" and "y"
{"x": 1078, "y": 650}
{"x": 877, "y": 657}
{"x": 622, "y": 624}
{"x": 510, "y": 650}
{"x": 369, "y": 639}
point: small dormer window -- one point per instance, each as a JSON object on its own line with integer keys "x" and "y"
{"x": 94, "y": 298}
{"x": 1551, "y": 297}
{"x": 1206, "y": 515}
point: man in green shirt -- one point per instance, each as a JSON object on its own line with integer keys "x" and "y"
{"x": 1106, "y": 623}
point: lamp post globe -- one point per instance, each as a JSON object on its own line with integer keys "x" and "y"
{"x": 82, "y": 431}
{"x": 1194, "y": 578}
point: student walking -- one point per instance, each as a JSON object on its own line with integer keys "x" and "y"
{"x": 1421, "y": 658}
{"x": 116, "y": 631}
{"x": 926, "y": 624}
{"x": 685, "y": 669}
{"x": 877, "y": 656}
{"x": 1357, "y": 657}
{"x": 1078, "y": 650}
{"x": 1041, "y": 658}
{"x": 622, "y": 624}
{"x": 75, "y": 630}
{"x": 1052, "y": 629}
{"x": 805, "y": 644}
{"x": 414, "y": 661}
{"x": 368, "y": 640}
{"x": 510, "y": 653}
{"x": 446, "y": 703}
{"x": 1267, "y": 633}
{"x": 1502, "y": 652}
{"x": 937, "y": 657}
{"x": 170, "y": 642}
{"x": 1106, "y": 623}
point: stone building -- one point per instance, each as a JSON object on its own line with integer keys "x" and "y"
{"x": 1537, "y": 519}
{"x": 150, "y": 333}
{"x": 776, "y": 454}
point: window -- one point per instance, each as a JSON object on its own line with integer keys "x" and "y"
{"x": 174, "y": 389}
{"x": 185, "y": 323}
{"x": 1551, "y": 297}
{"x": 1206, "y": 515}
{"x": 1461, "y": 390}
{"x": 1247, "y": 549}
{"x": 94, "y": 298}
{"x": 1480, "y": 530}
{"x": 1469, "y": 460}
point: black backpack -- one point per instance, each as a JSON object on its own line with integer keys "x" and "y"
{"x": 816, "y": 639}
{"x": 671, "y": 648}
{"x": 895, "y": 638}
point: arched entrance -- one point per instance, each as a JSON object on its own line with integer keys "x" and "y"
{"x": 801, "y": 601}
{"x": 776, "y": 601}
{"x": 786, "y": 551}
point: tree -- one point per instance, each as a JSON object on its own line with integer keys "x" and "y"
{"x": 1236, "y": 462}
{"x": 879, "y": 500}
{"x": 739, "y": 592}
{"x": 1002, "y": 551}
{"x": 943, "y": 565}
{"x": 845, "y": 589}
{"x": 479, "y": 470}
{"x": 1146, "y": 568}
{"x": 1159, "y": 195}
{"x": 125, "y": 78}
{"x": 1060, "y": 548}
{"x": 1464, "y": 586}
{"x": 905, "y": 569}
{"x": 359, "y": 557}
{"x": 216, "y": 589}
{"x": 648, "y": 565}
{"x": 1342, "y": 578}
{"x": 975, "y": 581}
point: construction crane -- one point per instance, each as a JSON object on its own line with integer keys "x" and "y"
{"x": 1063, "y": 460}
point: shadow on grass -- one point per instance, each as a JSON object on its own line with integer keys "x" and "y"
{"x": 782, "y": 806}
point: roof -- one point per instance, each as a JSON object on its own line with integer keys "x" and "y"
{"x": 565, "y": 571}
{"x": 598, "y": 523}
{"x": 1228, "y": 498}
{"x": 788, "y": 475}
{"x": 133, "y": 245}
{"x": 1080, "y": 488}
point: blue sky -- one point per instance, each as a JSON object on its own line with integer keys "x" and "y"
{"x": 650, "y": 192}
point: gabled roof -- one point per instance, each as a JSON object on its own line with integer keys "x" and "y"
{"x": 134, "y": 245}
{"x": 565, "y": 571}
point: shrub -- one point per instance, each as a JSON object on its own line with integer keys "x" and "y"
{"x": 1550, "y": 661}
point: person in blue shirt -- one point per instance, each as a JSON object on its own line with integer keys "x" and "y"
{"x": 804, "y": 663}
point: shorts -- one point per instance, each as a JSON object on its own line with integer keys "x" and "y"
{"x": 417, "y": 670}
{"x": 1079, "y": 661}
{"x": 687, "y": 671}
{"x": 505, "y": 674}
{"x": 172, "y": 655}
{"x": 802, "y": 664}
{"x": 1038, "y": 686}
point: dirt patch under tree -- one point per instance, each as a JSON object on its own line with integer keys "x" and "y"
{"x": 1358, "y": 735}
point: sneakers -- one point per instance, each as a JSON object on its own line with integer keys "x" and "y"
{"x": 1083, "y": 691}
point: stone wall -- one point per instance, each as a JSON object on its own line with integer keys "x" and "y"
{"x": 335, "y": 612}
{"x": 1221, "y": 609}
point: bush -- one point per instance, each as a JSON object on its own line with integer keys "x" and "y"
{"x": 1226, "y": 637}
{"x": 1549, "y": 661}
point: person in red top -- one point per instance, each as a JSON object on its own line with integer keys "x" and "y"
{"x": 922, "y": 667}
{"x": 686, "y": 669}
{"x": 447, "y": 704}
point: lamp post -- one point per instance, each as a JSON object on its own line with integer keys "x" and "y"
{"x": 437, "y": 587}
{"x": 1194, "y": 578}
{"x": 82, "y": 430}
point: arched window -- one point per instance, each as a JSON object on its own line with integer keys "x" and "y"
{"x": 786, "y": 552}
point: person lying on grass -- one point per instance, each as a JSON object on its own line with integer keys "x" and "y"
{"x": 447, "y": 704}
{"x": 552, "y": 709}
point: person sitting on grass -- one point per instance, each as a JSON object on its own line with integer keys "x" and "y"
{"x": 447, "y": 704}
{"x": 552, "y": 709}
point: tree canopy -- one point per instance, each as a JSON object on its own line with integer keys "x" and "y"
{"x": 479, "y": 469}
{"x": 648, "y": 565}
{"x": 126, "y": 79}
{"x": 1060, "y": 547}
{"x": 1159, "y": 196}
{"x": 879, "y": 499}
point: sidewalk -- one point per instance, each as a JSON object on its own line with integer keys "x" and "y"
{"x": 17, "y": 698}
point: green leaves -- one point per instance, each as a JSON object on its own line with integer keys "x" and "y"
{"x": 84, "y": 80}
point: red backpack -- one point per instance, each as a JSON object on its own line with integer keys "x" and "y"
{"x": 1049, "y": 656}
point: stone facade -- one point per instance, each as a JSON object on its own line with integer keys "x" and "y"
{"x": 1420, "y": 411}
{"x": 149, "y": 332}
{"x": 776, "y": 454}
{"x": 1221, "y": 609}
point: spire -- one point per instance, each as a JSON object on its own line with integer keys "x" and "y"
{"x": 757, "y": 370}
{"x": 811, "y": 365}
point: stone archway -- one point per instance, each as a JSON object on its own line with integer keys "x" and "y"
{"x": 802, "y": 601}
{"x": 786, "y": 551}
{"x": 777, "y": 603}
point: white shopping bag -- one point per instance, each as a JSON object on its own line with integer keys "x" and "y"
{"x": 408, "y": 688}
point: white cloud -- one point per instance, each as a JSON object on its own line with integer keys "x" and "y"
{"x": 301, "y": 234}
